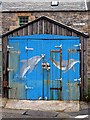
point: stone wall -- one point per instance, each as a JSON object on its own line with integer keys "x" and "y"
{"x": 77, "y": 20}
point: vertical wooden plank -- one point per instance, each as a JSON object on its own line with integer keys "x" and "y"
{"x": 34, "y": 28}
{"x": 38, "y": 27}
{"x": 85, "y": 65}
{"x": 25, "y": 31}
{"x": 28, "y": 30}
{"x": 31, "y": 27}
{"x": 10, "y": 35}
{"x": 48, "y": 24}
{"x": 63, "y": 31}
{"x": 69, "y": 32}
{"x": 53, "y": 29}
{"x": 43, "y": 27}
{"x": 58, "y": 30}
{"x": 4, "y": 65}
{"x": 50, "y": 28}
{"x": 88, "y": 58}
{"x": 20, "y": 32}
{"x": 46, "y": 27}
{"x": 15, "y": 33}
{"x": 82, "y": 69}
{"x": 74, "y": 34}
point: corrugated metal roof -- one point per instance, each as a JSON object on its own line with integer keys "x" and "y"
{"x": 43, "y": 6}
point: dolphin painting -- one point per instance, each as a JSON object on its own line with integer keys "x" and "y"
{"x": 66, "y": 64}
{"x": 29, "y": 64}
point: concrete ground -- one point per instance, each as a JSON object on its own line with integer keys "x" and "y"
{"x": 44, "y": 109}
{"x": 12, "y": 113}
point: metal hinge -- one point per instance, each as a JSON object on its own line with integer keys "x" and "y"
{"x": 26, "y": 48}
{"x": 59, "y": 79}
{"x": 77, "y": 80}
{"x": 10, "y": 69}
{"x": 9, "y": 47}
{"x": 58, "y": 46}
{"x": 26, "y": 87}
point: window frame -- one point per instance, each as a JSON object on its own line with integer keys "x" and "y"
{"x": 23, "y": 20}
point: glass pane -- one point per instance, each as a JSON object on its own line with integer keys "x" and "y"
{"x": 23, "y": 20}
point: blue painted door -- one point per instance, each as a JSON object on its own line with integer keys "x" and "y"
{"x": 44, "y": 67}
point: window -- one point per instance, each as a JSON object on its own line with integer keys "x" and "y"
{"x": 23, "y": 20}
{"x": 54, "y": 3}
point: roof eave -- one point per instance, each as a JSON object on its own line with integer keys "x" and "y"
{"x": 52, "y": 10}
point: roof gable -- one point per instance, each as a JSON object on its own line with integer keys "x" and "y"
{"x": 45, "y": 25}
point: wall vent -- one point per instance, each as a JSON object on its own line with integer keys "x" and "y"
{"x": 54, "y": 3}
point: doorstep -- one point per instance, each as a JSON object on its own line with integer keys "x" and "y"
{"x": 58, "y": 106}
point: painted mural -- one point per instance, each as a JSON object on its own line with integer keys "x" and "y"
{"x": 47, "y": 68}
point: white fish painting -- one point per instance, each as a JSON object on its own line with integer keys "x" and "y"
{"x": 66, "y": 64}
{"x": 29, "y": 65}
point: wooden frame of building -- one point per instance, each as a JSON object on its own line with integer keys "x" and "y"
{"x": 45, "y": 25}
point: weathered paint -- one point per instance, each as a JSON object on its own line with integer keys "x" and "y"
{"x": 42, "y": 67}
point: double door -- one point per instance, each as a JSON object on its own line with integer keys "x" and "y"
{"x": 46, "y": 69}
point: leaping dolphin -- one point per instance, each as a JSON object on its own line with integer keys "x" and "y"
{"x": 66, "y": 64}
{"x": 29, "y": 64}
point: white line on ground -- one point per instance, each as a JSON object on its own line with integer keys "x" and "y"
{"x": 82, "y": 116}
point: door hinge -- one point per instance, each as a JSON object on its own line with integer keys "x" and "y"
{"x": 59, "y": 79}
{"x": 77, "y": 80}
{"x": 26, "y": 87}
{"x": 26, "y": 48}
{"x": 9, "y": 47}
{"x": 10, "y": 69}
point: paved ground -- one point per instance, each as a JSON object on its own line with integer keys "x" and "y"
{"x": 44, "y": 109}
{"x": 12, "y": 113}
